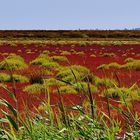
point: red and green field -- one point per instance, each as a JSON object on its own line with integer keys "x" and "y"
{"x": 102, "y": 77}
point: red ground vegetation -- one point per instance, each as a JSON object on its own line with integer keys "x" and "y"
{"x": 90, "y": 56}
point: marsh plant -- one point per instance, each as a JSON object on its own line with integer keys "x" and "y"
{"x": 83, "y": 121}
{"x": 65, "y": 124}
{"x": 13, "y": 62}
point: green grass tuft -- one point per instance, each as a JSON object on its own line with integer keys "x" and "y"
{"x": 129, "y": 59}
{"x": 20, "y": 78}
{"x": 83, "y": 87}
{"x": 105, "y": 82}
{"x": 9, "y": 78}
{"x": 53, "y": 82}
{"x": 73, "y": 73}
{"x": 65, "y": 53}
{"x": 131, "y": 64}
{"x": 59, "y": 58}
{"x": 120, "y": 92}
{"x": 4, "y": 77}
{"x": 51, "y": 65}
{"x": 35, "y": 89}
{"x": 103, "y": 67}
{"x": 13, "y": 62}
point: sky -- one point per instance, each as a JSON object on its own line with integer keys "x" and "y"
{"x": 69, "y": 14}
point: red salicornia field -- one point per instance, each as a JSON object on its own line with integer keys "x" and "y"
{"x": 75, "y": 90}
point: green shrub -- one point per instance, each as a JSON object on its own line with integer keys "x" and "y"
{"x": 134, "y": 96}
{"x": 12, "y": 65}
{"x": 53, "y": 82}
{"x": 17, "y": 78}
{"x": 35, "y": 88}
{"x": 39, "y": 61}
{"x": 13, "y": 62}
{"x": 128, "y": 65}
{"x": 114, "y": 65}
{"x": 80, "y": 69}
{"x": 136, "y": 65}
{"x": 105, "y": 82}
{"x": 132, "y": 65}
{"x": 110, "y": 65}
{"x": 115, "y": 92}
{"x": 66, "y": 75}
{"x": 103, "y": 66}
{"x": 41, "y": 88}
{"x": 119, "y": 92}
{"x": 129, "y": 59}
{"x": 51, "y": 65}
{"x": 14, "y": 56}
{"x": 65, "y": 53}
{"x": 42, "y": 58}
{"x": 71, "y": 78}
{"x": 65, "y": 71}
{"x": 48, "y": 72}
{"x": 83, "y": 87}
{"x": 73, "y": 73}
{"x": 20, "y": 78}
{"x": 4, "y": 77}
{"x": 59, "y": 58}
{"x": 48, "y": 62}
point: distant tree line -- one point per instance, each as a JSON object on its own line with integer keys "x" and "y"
{"x": 70, "y": 33}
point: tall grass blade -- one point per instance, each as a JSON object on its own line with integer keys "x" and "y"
{"x": 11, "y": 94}
{"x": 4, "y": 102}
{"x": 91, "y": 101}
{"x": 11, "y": 120}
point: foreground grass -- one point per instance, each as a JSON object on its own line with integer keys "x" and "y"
{"x": 80, "y": 122}
{"x": 85, "y": 121}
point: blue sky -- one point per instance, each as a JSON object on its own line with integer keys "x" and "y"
{"x": 69, "y": 14}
